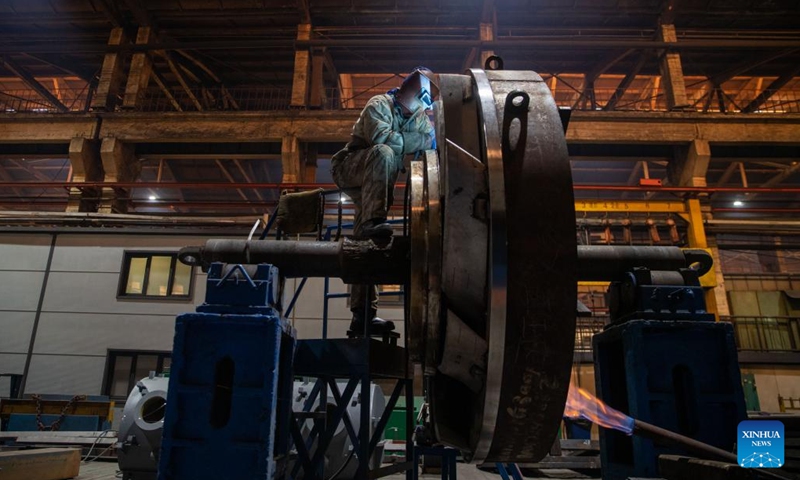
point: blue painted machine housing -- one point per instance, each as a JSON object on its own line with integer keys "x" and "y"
{"x": 230, "y": 382}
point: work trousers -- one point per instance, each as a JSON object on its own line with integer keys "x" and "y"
{"x": 367, "y": 176}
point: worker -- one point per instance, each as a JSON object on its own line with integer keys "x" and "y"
{"x": 390, "y": 126}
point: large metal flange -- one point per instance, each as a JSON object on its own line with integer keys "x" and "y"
{"x": 426, "y": 262}
{"x": 493, "y": 223}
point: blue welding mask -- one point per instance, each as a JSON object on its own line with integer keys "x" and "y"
{"x": 418, "y": 91}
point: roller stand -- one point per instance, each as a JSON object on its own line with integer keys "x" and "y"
{"x": 665, "y": 361}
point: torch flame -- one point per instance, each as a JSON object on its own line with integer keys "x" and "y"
{"x": 582, "y": 404}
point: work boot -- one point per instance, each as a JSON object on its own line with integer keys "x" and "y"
{"x": 376, "y": 325}
{"x": 376, "y": 228}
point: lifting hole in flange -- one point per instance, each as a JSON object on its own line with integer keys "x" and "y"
{"x": 493, "y": 62}
{"x": 153, "y": 408}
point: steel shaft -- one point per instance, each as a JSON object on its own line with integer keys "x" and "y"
{"x": 363, "y": 261}
{"x": 354, "y": 261}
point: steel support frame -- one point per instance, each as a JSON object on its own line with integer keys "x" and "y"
{"x": 364, "y": 444}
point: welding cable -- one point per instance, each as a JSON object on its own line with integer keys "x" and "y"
{"x": 94, "y": 444}
{"x": 99, "y": 454}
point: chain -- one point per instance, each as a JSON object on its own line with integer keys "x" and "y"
{"x": 57, "y": 424}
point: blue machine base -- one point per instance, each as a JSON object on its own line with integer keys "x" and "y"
{"x": 227, "y": 393}
{"x": 679, "y": 375}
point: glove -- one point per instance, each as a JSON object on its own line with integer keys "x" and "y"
{"x": 433, "y": 140}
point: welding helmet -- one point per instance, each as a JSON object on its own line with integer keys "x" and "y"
{"x": 419, "y": 90}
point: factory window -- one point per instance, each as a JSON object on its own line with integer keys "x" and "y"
{"x": 154, "y": 275}
{"x": 126, "y": 367}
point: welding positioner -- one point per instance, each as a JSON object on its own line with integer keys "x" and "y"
{"x": 490, "y": 264}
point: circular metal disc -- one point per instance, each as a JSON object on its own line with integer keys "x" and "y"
{"x": 419, "y": 260}
{"x": 507, "y": 275}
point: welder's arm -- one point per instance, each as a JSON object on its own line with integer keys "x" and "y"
{"x": 378, "y": 123}
{"x": 378, "y": 127}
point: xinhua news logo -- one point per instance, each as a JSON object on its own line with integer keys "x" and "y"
{"x": 760, "y": 444}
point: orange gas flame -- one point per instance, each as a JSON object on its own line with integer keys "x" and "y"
{"x": 582, "y": 404}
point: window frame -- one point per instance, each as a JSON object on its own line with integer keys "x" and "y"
{"x": 124, "y": 274}
{"x": 111, "y": 358}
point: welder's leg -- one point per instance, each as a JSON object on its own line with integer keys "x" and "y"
{"x": 367, "y": 177}
{"x": 362, "y": 296}
{"x": 374, "y": 172}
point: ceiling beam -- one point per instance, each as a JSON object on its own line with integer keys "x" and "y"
{"x": 626, "y": 82}
{"x": 230, "y": 178}
{"x": 771, "y": 89}
{"x": 28, "y": 168}
{"x": 192, "y": 61}
{"x": 607, "y": 62}
{"x": 305, "y": 11}
{"x": 507, "y": 42}
{"x": 747, "y": 65}
{"x": 111, "y": 10}
{"x": 34, "y": 84}
{"x": 67, "y": 66}
{"x": 162, "y": 84}
{"x": 728, "y": 173}
{"x": 487, "y": 17}
{"x": 140, "y": 13}
{"x": 177, "y": 73}
{"x": 786, "y": 173}
{"x": 6, "y": 177}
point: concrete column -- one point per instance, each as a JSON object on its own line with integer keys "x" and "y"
{"x": 84, "y": 156}
{"x": 689, "y": 169}
{"x": 487, "y": 35}
{"x": 291, "y": 160}
{"x": 310, "y": 164}
{"x": 111, "y": 75}
{"x": 346, "y": 93}
{"x": 719, "y": 292}
{"x": 302, "y": 70}
{"x": 316, "y": 94}
{"x": 119, "y": 165}
{"x": 141, "y": 68}
{"x": 672, "y": 71}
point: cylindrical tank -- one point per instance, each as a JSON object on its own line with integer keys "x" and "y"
{"x": 139, "y": 437}
{"x": 339, "y": 455}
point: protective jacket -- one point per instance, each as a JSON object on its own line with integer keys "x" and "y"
{"x": 382, "y": 123}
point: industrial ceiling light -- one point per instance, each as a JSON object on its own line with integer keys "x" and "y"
{"x": 738, "y": 203}
{"x": 152, "y": 197}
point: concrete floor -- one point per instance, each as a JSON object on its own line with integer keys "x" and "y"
{"x": 101, "y": 470}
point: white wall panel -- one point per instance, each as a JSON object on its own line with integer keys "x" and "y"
{"x": 10, "y": 363}
{"x": 103, "y": 253}
{"x": 15, "y": 331}
{"x": 66, "y": 375}
{"x": 23, "y": 252}
{"x": 20, "y": 290}
{"x": 82, "y": 292}
{"x": 94, "y": 334}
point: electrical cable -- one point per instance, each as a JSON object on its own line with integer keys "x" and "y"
{"x": 100, "y": 454}
{"x": 94, "y": 444}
